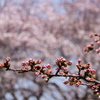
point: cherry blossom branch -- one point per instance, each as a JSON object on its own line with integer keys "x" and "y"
{"x": 84, "y": 76}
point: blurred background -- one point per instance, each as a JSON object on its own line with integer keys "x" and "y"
{"x": 46, "y": 30}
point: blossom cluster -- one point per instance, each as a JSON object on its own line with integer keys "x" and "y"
{"x": 91, "y": 46}
{"x": 6, "y": 64}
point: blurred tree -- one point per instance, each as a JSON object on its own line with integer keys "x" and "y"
{"x": 40, "y": 29}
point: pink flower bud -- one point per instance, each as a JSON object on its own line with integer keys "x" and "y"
{"x": 26, "y": 68}
{"x": 7, "y": 58}
{"x": 88, "y": 45}
{"x": 94, "y": 87}
{"x": 88, "y": 64}
{"x": 71, "y": 83}
{"x": 48, "y": 71}
{"x": 98, "y": 42}
{"x": 69, "y": 63}
{"x": 65, "y": 82}
{"x": 93, "y": 71}
{"x": 62, "y": 73}
{"x": 27, "y": 62}
{"x": 90, "y": 35}
{"x": 43, "y": 76}
{"x": 39, "y": 61}
{"x": 1, "y": 65}
{"x": 37, "y": 73}
{"x": 92, "y": 43}
{"x": 57, "y": 68}
{"x": 23, "y": 63}
{"x": 61, "y": 59}
{"x": 48, "y": 66}
{"x": 79, "y": 60}
{"x": 98, "y": 50}
{"x": 44, "y": 66}
{"x": 30, "y": 60}
{"x": 99, "y": 85}
{"x": 77, "y": 84}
